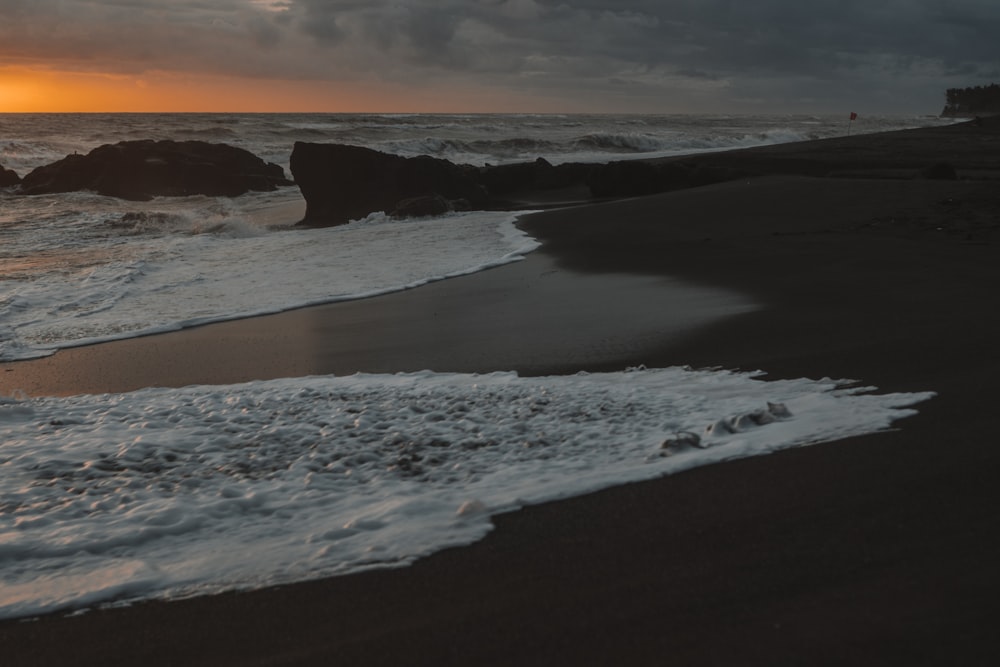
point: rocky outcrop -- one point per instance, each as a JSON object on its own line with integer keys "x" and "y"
{"x": 8, "y": 177}
{"x": 507, "y": 179}
{"x": 343, "y": 183}
{"x": 140, "y": 170}
{"x": 427, "y": 205}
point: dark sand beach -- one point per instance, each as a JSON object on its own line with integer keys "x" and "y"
{"x": 873, "y": 550}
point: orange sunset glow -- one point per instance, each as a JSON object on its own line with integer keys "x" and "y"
{"x": 25, "y": 90}
{"x": 37, "y": 90}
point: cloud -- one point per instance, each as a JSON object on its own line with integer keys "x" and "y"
{"x": 643, "y": 51}
{"x": 787, "y": 50}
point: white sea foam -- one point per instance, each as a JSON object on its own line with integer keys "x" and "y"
{"x": 191, "y": 268}
{"x": 167, "y": 493}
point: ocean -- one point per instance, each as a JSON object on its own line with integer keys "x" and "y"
{"x": 80, "y": 268}
{"x": 176, "y": 492}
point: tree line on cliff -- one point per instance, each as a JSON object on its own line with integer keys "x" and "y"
{"x": 972, "y": 101}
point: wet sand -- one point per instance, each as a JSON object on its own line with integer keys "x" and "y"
{"x": 872, "y": 550}
{"x": 533, "y": 316}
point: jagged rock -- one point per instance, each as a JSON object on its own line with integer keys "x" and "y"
{"x": 507, "y": 178}
{"x": 527, "y": 176}
{"x": 140, "y": 170}
{"x": 419, "y": 207}
{"x": 343, "y": 183}
{"x": 8, "y": 177}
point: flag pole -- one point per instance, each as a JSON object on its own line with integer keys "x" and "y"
{"x": 851, "y": 123}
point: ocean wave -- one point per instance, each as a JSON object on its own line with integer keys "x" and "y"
{"x": 209, "y": 133}
{"x": 516, "y": 146}
{"x": 164, "y": 493}
{"x": 161, "y": 271}
{"x": 25, "y": 155}
{"x": 435, "y": 146}
{"x": 588, "y": 147}
{"x": 300, "y": 134}
{"x": 190, "y": 222}
{"x": 623, "y": 143}
{"x": 478, "y": 151}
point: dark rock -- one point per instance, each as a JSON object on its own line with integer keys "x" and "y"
{"x": 506, "y": 178}
{"x": 8, "y": 177}
{"x": 343, "y": 183}
{"x": 563, "y": 176}
{"x": 528, "y": 176}
{"x": 941, "y": 171}
{"x": 419, "y": 207}
{"x": 140, "y": 170}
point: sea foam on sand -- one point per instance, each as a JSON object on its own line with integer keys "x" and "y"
{"x": 191, "y": 268}
{"x": 175, "y": 492}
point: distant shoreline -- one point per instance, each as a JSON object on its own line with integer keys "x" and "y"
{"x": 970, "y": 115}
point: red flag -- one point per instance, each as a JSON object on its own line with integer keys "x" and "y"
{"x": 854, "y": 116}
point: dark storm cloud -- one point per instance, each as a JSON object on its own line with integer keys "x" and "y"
{"x": 786, "y": 51}
{"x": 820, "y": 35}
{"x": 806, "y": 48}
{"x": 116, "y": 36}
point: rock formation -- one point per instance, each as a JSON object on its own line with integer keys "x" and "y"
{"x": 140, "y": 170}
{"x": 8, "y": 177}
{"x": 343, "y": 183}
{"x": 523, "y": 177}
{"x": 419, "y": 207}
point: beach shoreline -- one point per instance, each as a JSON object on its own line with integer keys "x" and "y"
{"x": 871, "y": 550}
{"x": 472, "y": 324}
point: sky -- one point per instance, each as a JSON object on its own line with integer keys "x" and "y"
{"x": 586, "y": 56}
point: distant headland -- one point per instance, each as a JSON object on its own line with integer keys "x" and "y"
{"x": 972, "y": 101}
